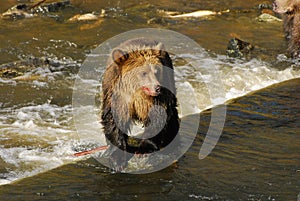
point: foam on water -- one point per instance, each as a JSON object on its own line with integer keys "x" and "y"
{"x": 236, "y": 78}
{"x": 24, "y": 162}
{"x": 36, "y": 138}
{"x": 5, "y": 81}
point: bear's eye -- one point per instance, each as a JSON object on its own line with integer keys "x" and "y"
{"x": 144, "y": 74}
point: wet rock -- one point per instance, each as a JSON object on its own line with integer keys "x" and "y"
{"x": 267, "y": 11}
{"x": 17, "y": 12}
{"x": 94, "y": 16}
{"x": 18, "y": 69}
{"x": 30, "y": 10}
{"x": 200, "y": 13}
{"x": 56, "y": 6}
{"x": 195, "y": 14}
{"x": 265, "y": 17}
{"x": 238, "y": 48}
{"x": 156, "y": 20}
{"x": 263, "y": 6}
{"x": 94, "y": 19}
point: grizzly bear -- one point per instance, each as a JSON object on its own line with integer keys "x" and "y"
{"x": 290, "y": 9}
{"x": 139, "y": 89}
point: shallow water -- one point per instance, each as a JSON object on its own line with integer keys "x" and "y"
{"x": 257, "y": 158}
{"x": 257, "y": 155}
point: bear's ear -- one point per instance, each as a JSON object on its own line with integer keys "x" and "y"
{"x": 160, "y": 50}
{"x": 119, "y": 57}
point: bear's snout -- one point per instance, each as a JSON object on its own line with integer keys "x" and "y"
{"x": 152, "y": 91}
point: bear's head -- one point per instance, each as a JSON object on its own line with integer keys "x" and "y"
{"x": 140, "y": 69}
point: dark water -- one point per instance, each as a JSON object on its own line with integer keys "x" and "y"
{"x": 256, "y": 158}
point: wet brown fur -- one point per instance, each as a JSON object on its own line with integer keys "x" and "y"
{"x": 290, "y": 9}
{"x": 124, "y": 102}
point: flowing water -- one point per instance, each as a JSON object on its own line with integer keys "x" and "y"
{"x": 256, "y": 158}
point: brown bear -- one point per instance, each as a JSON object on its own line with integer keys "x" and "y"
{"x": 290, "y": 9}
{"x": 139, "y": 88}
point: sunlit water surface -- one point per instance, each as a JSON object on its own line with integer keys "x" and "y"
{"x": 257, "y": 157}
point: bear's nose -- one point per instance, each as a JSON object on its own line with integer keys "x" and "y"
{"x": 157, "y": 89}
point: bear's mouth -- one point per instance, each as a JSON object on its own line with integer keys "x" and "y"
{"x": 149, "y": 92}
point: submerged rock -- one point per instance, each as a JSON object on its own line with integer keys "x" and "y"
{"x": 238, "y": 48}
{"x": 84, "y": 17}
{"x": 19, "y": 68}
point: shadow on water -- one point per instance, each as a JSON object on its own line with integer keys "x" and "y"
{"x": 256, "y": 158}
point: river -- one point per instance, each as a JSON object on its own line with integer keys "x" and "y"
{"x": 257, "y": 155}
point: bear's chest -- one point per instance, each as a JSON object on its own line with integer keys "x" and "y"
{"x": 140, "y": 106}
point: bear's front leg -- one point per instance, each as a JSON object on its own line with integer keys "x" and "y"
{"x": 155, "y": 126}
{"x": 147, "y": 146}
{"x": 118, "y": 151}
